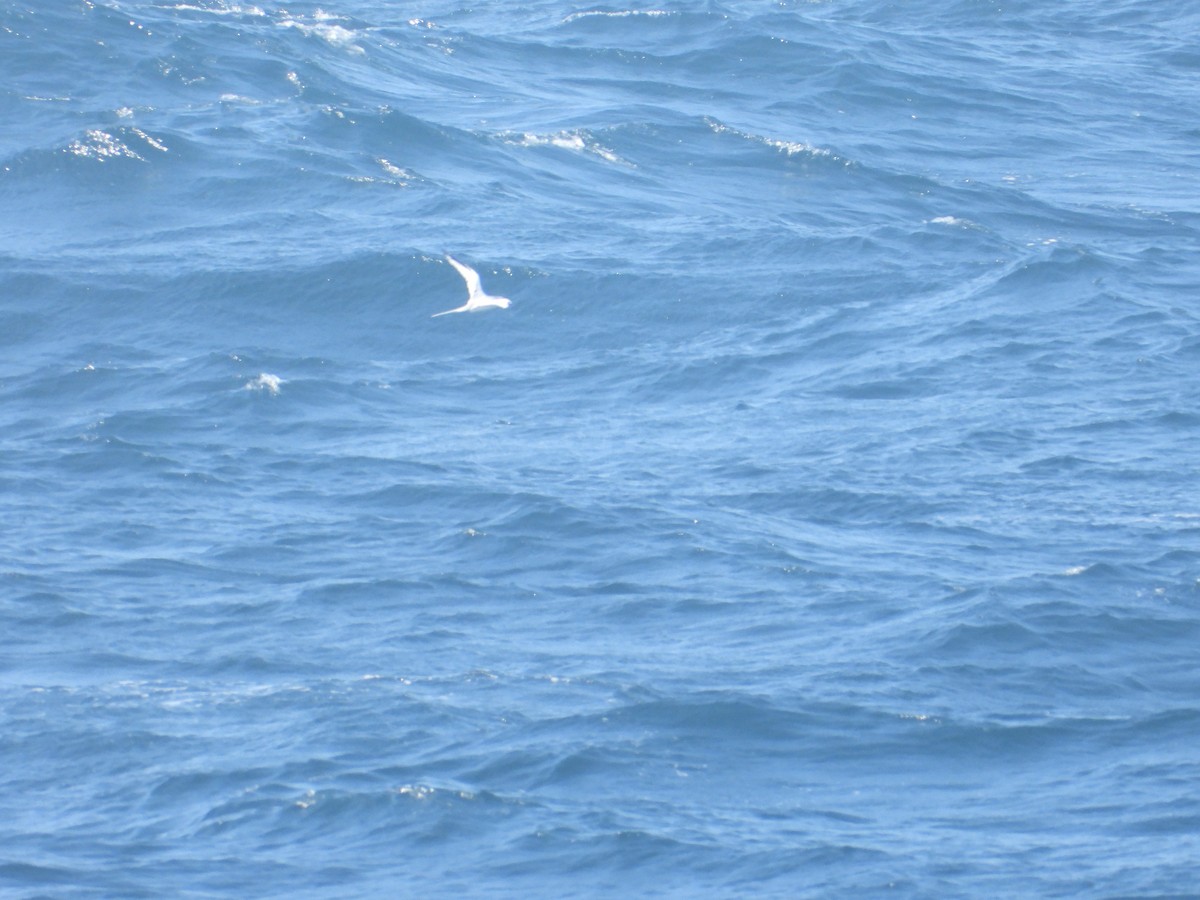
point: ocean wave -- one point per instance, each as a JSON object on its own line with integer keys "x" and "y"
{"x": 565, "y": 140}
{"x": 617, "y": 14}
{"x": 821, "y": 510}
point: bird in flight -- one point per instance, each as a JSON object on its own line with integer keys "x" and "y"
{"x": 476, "y": 298}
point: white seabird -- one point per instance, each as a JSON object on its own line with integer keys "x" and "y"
{"x": 476, "y": 298}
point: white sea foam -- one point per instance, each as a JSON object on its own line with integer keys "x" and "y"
{"x": 954, "y": 222}
{"x": 565, "y": 140}
{"x": 335, "y": 35}
{"x": 791, "y": 148}
{"x": 618, "y": 14}
{"x": 150, "y": 141}
{"x": 395, "y": 175}
{"x": 418, "y": 791}
{"x": 221, "y": 9}
{"x": 101, "y": 145}
{"x": 394, "y": 171}
{"x": 265, "y": 382}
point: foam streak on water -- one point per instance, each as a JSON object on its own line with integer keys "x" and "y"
{"x": 822, "y": 518}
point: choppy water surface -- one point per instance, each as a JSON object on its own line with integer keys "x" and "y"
{"x": 821, "y": 519}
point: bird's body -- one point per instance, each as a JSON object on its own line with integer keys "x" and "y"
{"x": 476, "y": 298}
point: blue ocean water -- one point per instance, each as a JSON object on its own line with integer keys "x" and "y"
{"x": 822, "y": 519}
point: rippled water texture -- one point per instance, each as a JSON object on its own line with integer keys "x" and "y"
{"x": 820, "y": 520}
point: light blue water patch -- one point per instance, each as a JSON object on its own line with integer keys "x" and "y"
{"x": 821, "y": 519}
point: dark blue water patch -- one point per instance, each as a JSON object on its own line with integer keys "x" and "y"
{"x": 31, "y": 875}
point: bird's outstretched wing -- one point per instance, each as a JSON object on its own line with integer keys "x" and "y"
{"x": 470, "y": 276}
